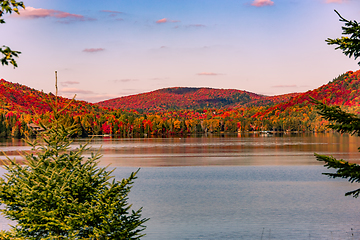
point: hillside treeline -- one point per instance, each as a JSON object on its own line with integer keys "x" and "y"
{"x": 17, "y": 117}
{"x": 128, "y": 124}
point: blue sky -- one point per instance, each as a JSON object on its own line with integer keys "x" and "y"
{"x": 112, "y": 48}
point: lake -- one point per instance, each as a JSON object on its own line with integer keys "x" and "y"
{"x": 245, "y": 186}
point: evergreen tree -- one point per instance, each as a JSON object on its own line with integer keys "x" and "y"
{"x": 343, "y": 122}
{"x": 350, "y": 43}
{"x": 59, "y": 195}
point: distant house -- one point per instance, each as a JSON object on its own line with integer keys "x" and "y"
{"x": 35, "y": 127}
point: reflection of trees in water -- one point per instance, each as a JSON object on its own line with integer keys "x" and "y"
{"x": 246, "y": 150}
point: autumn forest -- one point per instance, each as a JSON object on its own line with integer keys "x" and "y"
{"x": 177, "y": 111}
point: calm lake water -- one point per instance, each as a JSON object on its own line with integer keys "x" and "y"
{"x": 233, "y": 186}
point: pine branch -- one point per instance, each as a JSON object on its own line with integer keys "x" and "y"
{"x": 344, "y": 169}
{"x": 58, "y": 195}
{"x": 344, "y": 122}
{"x": 350, "y": 45}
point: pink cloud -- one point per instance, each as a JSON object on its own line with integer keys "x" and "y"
{"x": 126, "y": 80}
{"x": 30, "y": 12}
{"x": 92, "y": 50}
{"x": 65, "y": 84}
{"x": 262, "y": 3}
{"x": 165, "y": 20}
{"x": 208, "y": 74}
{"x": 113, "y": 13}
{"x": 335, "y": 1}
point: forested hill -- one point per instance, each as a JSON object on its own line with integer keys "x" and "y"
{"x": 342, "y": 91}
{"x": 191, "y": 98}
{"x": 19, "y": 98}
{"x": 179, "y": 110}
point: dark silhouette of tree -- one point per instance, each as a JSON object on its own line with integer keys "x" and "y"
{"x": 342, "y": 121}
{"x": 350, "y": 43}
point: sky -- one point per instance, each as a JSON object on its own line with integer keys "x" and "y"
{"x": 113, "y": 48}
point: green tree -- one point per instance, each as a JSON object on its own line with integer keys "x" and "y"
{"x": 59, "y": 195}
{"x": 9, "y": 6}
{"x": 342, "y": 121}
{"x": 350, "y": 43}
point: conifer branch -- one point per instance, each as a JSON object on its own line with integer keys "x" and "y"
{"x": 59, "y": 195}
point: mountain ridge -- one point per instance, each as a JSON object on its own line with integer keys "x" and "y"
{"x": 192, "y": 98}
{"x": 342, "y": 90}
{"x": 201, "y": 110}
{"x": 20, "y": 98}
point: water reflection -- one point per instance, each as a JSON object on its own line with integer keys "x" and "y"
{"x": 226, "y": 150}
{"x": 264, "y": 182}
{"x": 223, "y": 150}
